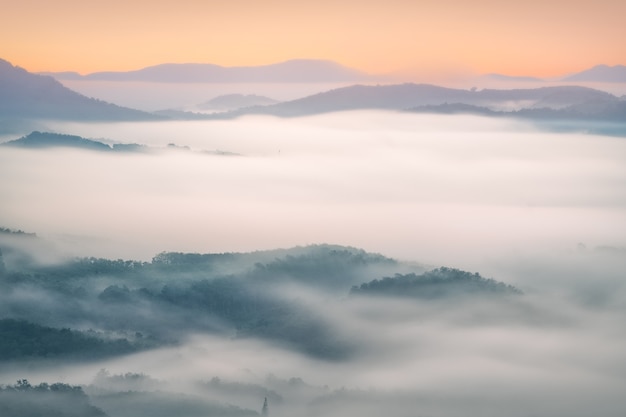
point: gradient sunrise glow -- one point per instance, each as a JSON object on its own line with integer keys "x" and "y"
{"x": 536, "y": 38}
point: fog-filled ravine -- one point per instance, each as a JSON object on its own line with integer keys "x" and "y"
{"x": 354, "y": 263}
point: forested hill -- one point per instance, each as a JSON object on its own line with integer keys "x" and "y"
{"x": 55, "y": 400}
{"x": 52, "y": 140}
{"x": 269, "y": 295}
{"x": 292, "y": 71}
{"x": 440, "y": 282}
{"x": 47, "y": 140}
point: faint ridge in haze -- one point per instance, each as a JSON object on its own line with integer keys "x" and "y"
{"x": 292, "y": 71}
{"x": 592, "y": 109}
{"x": 601, "y": 74}
{"x": 503, "y": 77}
{"x": 235, "y": 101}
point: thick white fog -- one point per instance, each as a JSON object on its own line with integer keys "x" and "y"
{"x": 543, "y": 211}
{"x": 437, "y": 189}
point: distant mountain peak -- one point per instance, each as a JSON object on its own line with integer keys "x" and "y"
{"x": 24, "y": 95}
{"x": 291, "y": 71}
{"x": 600, "y": 73}
{"x": 599, "y": 66}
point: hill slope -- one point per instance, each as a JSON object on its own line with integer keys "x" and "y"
{"x": 600, "y": 73}
{"x": 39, "y": 140}
{"x": 24, "y": 95}
{"x": 293, "y": 71}
{"x": 438, "y": 283}
{"x": 248, "y": 295}
{"x": 408, "y": 96}
{"x": 51, "y": 140}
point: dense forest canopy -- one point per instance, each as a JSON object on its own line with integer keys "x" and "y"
{"x": 93, "y": 307}
{"x": 315, "y": 315}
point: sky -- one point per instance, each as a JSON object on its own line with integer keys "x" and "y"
{"x": 402, "y": 37}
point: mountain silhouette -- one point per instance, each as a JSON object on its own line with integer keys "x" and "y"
{"x": 409, "y": 96}
{"x": 600, "y": 73}
{"x": 293, "y": 71}
{"x": 502, "y": 77}
{"x": 24, "y": 95}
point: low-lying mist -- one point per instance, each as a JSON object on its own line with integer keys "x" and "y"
{"x": 514, "y": 357}
{"x": 437, "y": 189}
{"x": 543, "y": 211}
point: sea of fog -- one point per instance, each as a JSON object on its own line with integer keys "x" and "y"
{"x": 543, "y": 211}
{"x": 443, "y": 190}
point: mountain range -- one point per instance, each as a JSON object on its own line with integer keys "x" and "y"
{"x": 600, "y": 73}
{"x": 299, "y": 71}
{"x": 581, "y": 102}
{"x": 293, "y": 71}
{"x": 597, "y": 74}
{"x": 27, "y": 96}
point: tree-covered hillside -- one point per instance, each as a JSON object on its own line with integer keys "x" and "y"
{"x": 440, "y": 282}
{"x": 90, "y": 307}
{"x": 55, "y": 400}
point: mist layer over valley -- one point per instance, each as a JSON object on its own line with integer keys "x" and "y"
{"x": 381, "y": 320}
{"x": 439, "y": 189}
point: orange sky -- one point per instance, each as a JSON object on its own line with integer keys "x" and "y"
{"x": 531, "y": 37}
